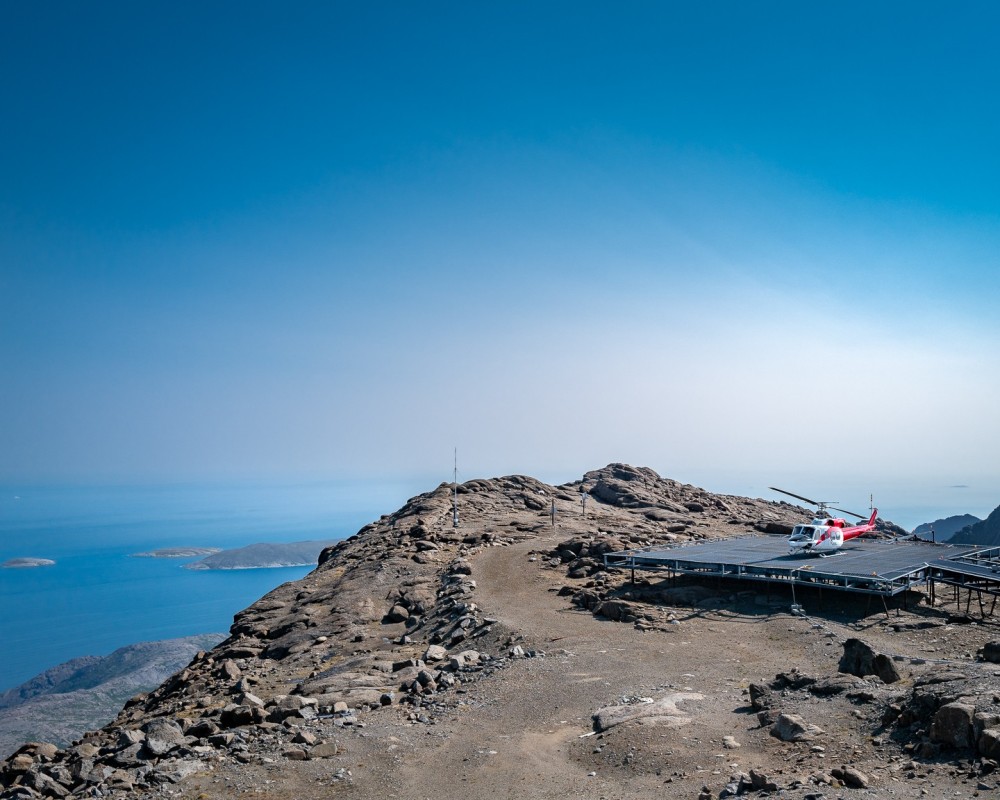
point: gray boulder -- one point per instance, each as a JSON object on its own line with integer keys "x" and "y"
{"x": 859, "y": 659}
{"x": 127, "y": 738}
{"x": 234, "y": 716}
{"x": 45, "y": 784}
{"x": 325, "y": 750}
{"x": 396, "y": 614}
{"x": 162, "y": 736}
{"x": 176, "y": 771}
{"x": 989, "y": 743}
{"x": 952, "y": 725}
{"x": 127, "y": 756}
{"x": 850, "y": 776}
{"x": 792, "y": 728}
{"x": 435, "y": 652}
{"x": 250, "y": 699}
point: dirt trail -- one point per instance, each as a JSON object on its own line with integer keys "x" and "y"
{"x": 529, "y": 736}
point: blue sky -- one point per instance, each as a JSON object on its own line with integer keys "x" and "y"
{"x": 738, "y": 242}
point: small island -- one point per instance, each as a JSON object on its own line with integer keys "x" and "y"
{"x": 25, "y": 563}
{"x": 264, "y": 555}
{"x": 178, "y": 552}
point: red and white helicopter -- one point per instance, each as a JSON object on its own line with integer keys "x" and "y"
{"x": 825, "y": 533}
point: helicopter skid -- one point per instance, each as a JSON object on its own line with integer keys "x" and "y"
{"x": 812, "y": 551}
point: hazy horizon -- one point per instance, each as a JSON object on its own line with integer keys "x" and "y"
{"x": 743, "y": 244}
{"x": 908, "y": 505}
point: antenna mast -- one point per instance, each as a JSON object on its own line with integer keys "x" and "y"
{"x": 454, "y": 506}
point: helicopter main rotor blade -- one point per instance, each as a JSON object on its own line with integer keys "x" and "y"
{"x": 796, "y": 496}
{"x": 845, "y": 511}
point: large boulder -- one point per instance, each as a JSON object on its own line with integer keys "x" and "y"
{"x": 859, "y": 659}
{"x": 792, "y": 728}
{"x": 989, "y": 743}
{"x": 761, "y": 697}
{"x": 435, "y": 652}
{"x": 162, "y": 736}
{"x": 234, "y": 716}
{"x": 991, "y": 652}
{"x": 852, "y": 777}
{"x": 395, "y": 614}
{"x": 952, "y": 725}
{"x": 661, "y": 710}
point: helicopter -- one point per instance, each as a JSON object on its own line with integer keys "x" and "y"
{"x": 825, "y": 534}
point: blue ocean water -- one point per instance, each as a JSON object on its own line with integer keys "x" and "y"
{"x": 97, "y": 598}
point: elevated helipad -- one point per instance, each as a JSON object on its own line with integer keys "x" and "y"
{"x": 870, "y": 566}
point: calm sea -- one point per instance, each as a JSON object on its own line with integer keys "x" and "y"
{"x": 97, "y": 598}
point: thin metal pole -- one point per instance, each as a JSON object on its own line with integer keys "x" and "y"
{"x": 454, "y": 513}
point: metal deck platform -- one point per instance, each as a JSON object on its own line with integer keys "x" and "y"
{"x": 978, "y": 570}
{"x": 871, "y": 566}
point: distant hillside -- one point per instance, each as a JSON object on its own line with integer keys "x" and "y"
{"x": 985, "y": 532}
{"x": 265, "y": 554}
{"x": 85, "y": 693}
{"x": 945, "y": 528}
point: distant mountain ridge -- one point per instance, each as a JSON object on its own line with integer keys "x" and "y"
{"x": 946, "y": 527}
{"x": 61, "y": 703}
{"x": 985, "y": 533}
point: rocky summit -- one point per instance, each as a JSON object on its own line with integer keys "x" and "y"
{"x": 502, "y": 658}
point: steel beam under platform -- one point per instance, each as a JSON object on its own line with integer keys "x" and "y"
{"x": 872, "y": 566}
{"x": 978, "y": 571}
